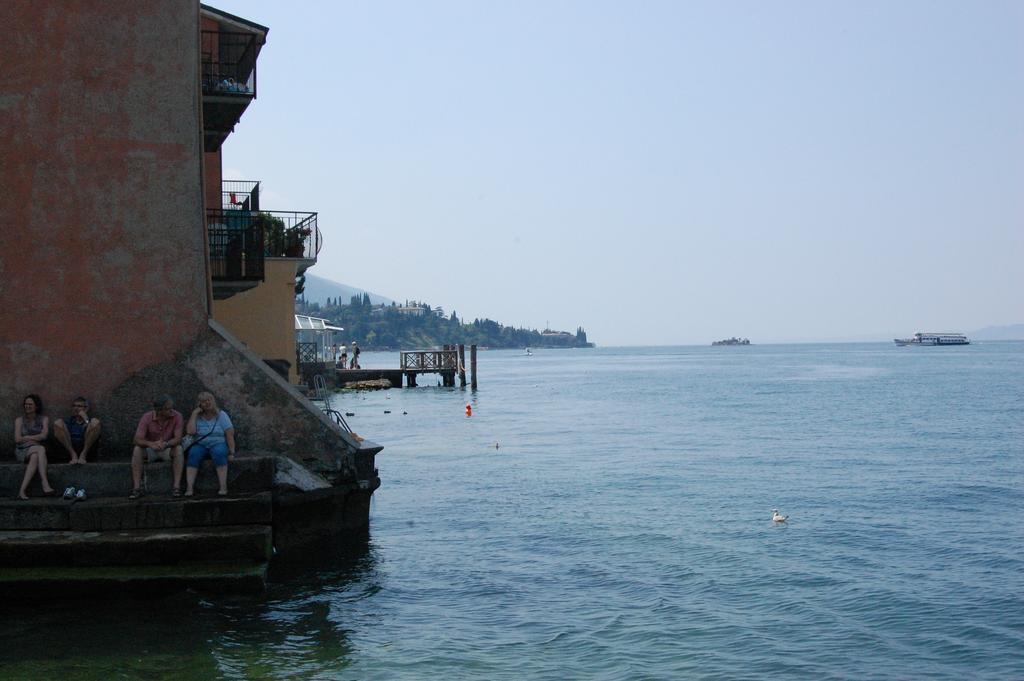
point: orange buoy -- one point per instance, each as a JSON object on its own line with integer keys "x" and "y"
{"x": 469, "y": 410}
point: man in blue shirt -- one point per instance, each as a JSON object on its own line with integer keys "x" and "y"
{"x": 78, "y": 433}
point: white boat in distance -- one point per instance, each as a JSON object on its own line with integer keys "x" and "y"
{"x": 934, "y": 339}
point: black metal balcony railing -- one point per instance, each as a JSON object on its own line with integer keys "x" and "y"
{"x": 289, "y": 234}
{"x": 228, "y": 63}
{"x": 240, "y": 195}
{"x": 236, "y": 246}
{"x": 241, "y": 240}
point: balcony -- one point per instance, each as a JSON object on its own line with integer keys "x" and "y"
{"x": 228, "y": 74}
{"x": 241, "y": 240}
{"x": 236, "y": 251}
{"x": 240, "y": 195}
{"x": 291, "y": 235}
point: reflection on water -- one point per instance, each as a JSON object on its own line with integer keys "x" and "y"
{"x": 297, "y": 626}
{"x": 294, "y": 626}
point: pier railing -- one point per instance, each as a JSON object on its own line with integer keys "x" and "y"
{"x": 430, "y": 360}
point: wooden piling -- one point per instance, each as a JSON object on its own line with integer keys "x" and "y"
{"x": 462, "y": 365}
{"x": 472, "y": 366}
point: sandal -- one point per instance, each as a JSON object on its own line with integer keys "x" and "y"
{"x": 176, "y": 492}
{"x": 222, "y": 493}
{"x": 136, "y": 493}
{"x": 188, "y": 494}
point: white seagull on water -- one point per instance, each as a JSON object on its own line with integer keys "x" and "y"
{"x": 778, "y": 517}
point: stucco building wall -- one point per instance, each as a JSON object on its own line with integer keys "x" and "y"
{"x": 271, "y": 333}
{"x": 102, "y": 252}
{"x": 212, "y": 171}
{"x": 103, "y": 278}
{"x": 269, "y": 416}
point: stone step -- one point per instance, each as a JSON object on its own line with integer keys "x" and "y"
{"x": 60, "y": 582}
{"x": 153, "y": 512}
{"x": 246, "y": 474}
{"x": 65, "y": 548}
{"x": 149, "y": 512}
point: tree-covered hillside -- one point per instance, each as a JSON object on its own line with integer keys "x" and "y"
{"x": 416, "y": 326}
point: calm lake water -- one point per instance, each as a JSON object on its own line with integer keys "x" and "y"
{"x": 606, "y": 514}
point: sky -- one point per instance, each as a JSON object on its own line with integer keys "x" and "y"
{"x": 658, "y": 173}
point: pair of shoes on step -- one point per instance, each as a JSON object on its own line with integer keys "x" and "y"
{"x": 72, "y": 494}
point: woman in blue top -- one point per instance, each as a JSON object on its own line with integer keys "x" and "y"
{"x": 214, "y": 437}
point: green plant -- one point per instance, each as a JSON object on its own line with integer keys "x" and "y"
{"x": 295, "y": 241}
{"x": 274, "y": 239}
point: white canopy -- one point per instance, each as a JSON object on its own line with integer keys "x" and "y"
{"x": 307, "y": 323}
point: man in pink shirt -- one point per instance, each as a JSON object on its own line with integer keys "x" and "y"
{"x": 158, "y": 438}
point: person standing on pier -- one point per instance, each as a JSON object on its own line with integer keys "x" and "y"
{"x": 355, "y": 356}
{"x": 343, "y": 362}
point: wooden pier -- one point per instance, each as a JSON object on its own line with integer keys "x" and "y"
{"x": 449, "y": 363}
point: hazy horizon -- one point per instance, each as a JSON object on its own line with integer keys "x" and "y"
{"x": 659, "y": 174}
{"x": 1012, "y": 332}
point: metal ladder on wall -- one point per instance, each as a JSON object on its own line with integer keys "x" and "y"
{"x": 320, "y": 394}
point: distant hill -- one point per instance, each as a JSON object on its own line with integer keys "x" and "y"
{"x": 1011, "y": 332}
{"x": 319, "y": 289}
{"x": 418, "y": 325}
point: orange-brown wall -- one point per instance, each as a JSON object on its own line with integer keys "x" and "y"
{"x": 102, "y": 269}
{"x": 212, "y": 168}
{"x": 264, "y": 317}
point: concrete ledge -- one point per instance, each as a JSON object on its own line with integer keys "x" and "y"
{"x": 346, "y": 377}
{"x": 293, "y": 477}
{"x": 246, "y": 474}
{"x": 35, "y": 514}
{"x": 309, "y": 519}
{"x": 57, "y": 582}
{"x": 233, "y": 544}
{"x": 121, "y": 513}
{"x": 154, "y": 512}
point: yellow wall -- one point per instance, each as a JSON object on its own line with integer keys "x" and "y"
{"x": 264, "y": 317}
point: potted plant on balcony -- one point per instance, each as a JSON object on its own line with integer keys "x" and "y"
{"x": 273, "y": 233}
{"x": 295, "y": 241}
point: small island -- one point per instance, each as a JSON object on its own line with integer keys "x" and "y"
{"x": 732, "y": 341}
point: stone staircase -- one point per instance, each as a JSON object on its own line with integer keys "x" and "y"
{"x": 108, "y": 542}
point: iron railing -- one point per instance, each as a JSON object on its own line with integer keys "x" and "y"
{"x": 281, "y": 234}
{"x": 430, "y": 359}
{"x": 240, "y": 195}
{"x": 290, "y": 234}
{"x": 228, "y": 63}
{"x": 321, "y": 395}
{"x": 236, "y": 246}
{"x": 306, "y": 353}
